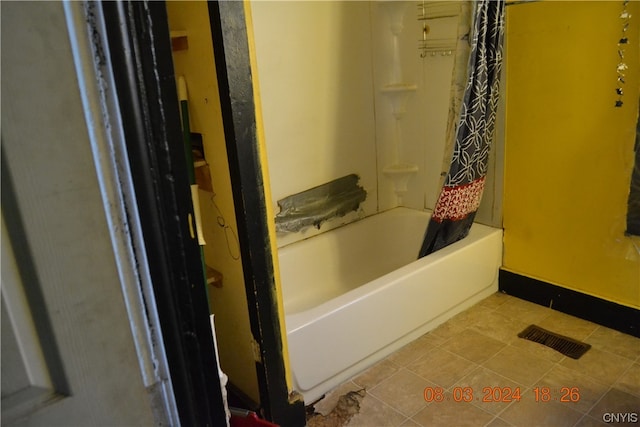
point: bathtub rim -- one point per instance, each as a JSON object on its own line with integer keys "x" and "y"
{"x": 298, "y": 320}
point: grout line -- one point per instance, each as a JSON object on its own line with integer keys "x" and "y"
{"x": 496, "y": 417}
{"x": 580, "y": 420}
{"x": 523, "y": 392}
{"x": 605, "y": 349}
{"x": 598, "y": 401}
{"x": 389, "y": 406}
{"x": 585, "y": 416}
{"x": 592, "y": 332}
{"x": 624, "y": 375}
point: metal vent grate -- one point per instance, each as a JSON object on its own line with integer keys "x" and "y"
{"x": 565, "y": 345}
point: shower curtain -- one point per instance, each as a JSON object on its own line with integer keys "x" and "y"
{"x": 462, "y": 190}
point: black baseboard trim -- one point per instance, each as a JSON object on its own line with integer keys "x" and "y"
{"x": 606, "y": 313}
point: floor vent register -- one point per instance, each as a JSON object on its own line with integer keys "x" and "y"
{"x": 568, "y": 346}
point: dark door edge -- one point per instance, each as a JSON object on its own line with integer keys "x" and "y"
{"x": 233, "y": 68}
{"x": 140, "y": 51}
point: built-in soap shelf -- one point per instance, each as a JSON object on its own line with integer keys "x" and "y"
{"x": 398, "y": 94}
{"x": 400, "y": 174}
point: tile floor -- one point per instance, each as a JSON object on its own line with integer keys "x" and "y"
{"x": 479, "y": 349}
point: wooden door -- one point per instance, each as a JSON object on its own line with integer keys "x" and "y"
{"x": 68, "y": 354}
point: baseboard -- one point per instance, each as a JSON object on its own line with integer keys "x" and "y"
{"x": 606, "y": 313}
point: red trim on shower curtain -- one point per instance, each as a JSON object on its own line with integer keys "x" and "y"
{"x": 460, "y": 197}
{"x": 456, "y": 203}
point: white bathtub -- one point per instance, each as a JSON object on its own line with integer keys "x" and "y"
{"x": 355, "y": 294}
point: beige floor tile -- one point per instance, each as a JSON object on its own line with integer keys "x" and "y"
{"x": 479, "y": 350}
{"x": 618, "y": 402}
{"x": 403, "y": 391}
{"x": 560, "y": 378}
{"x": 587, "y": 421}
{"x": 498, "y": 422}
{"x": 482, "y": 382}
{"x": 630, "y": 380}
{"x": 415, "y": 349}
{"x": 449, "y": 329}
{"x": 461, "y": 321}
{"x": 377, "y": 373}
{"x": 450, "y": 413}
{"x": 524, "y": 311}
{"x": 500, "y": 327}
{"x": 601, "y": 365}
{"x": 615, "y": 342}
{"x": 473, "y": 346}
{"x": 495, "y": 301}
{"x": 471, "y": 316}
{"x": 615, "y": 401}
{"x": 528, "y": 412}
{"x": 373, "y": 412}
{"x": 432, "y": 339}
{"x": 569, "y": 326}
{"x": 515, "y": 364}
{"x": 441, "y": 367}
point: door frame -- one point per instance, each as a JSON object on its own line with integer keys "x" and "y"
{"x": 131, "y": 43}
{"x": 140, "y": 53}
{"x": 239, "y": 104}
{"x": 128, "y": 90}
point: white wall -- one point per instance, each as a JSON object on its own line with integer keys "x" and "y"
{"x": 423, "y": 126}
{"x": 321, "y": 68}
{"x": 315, "y": 76}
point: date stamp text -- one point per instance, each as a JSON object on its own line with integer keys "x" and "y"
{"x": 500, "y": 394}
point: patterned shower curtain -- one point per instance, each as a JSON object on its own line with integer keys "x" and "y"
{"x": 462, "y": 190}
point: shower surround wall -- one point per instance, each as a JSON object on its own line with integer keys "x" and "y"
{"x": 321, "y": 67}
{"x": 322, "y": 70}
{"x": 314, "y": 65}
{"x": 423, "y": 126}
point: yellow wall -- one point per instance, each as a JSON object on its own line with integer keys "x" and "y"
{"x": 229, "y": 303}
{"x": 568, "y": 150}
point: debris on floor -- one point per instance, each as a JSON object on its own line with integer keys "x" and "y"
{"x": 348, "y": 405}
